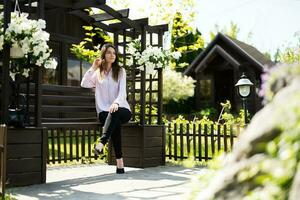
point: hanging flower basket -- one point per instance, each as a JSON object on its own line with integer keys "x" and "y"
{"x": 28, "y": 42}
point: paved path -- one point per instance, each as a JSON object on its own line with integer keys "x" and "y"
{"x": 89, "y": 182}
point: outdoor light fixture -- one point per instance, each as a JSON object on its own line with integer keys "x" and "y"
{"x": 244, "y": 88}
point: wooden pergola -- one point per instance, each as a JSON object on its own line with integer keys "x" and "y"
{"x": 144, "y": 139}
{"x": 123, "y": 32}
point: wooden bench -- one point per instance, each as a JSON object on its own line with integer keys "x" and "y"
{"x": 67, "y": 104}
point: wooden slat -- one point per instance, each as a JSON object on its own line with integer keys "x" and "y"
{"x": 23, "y": 151}
{"x": 71, "y": 143}
{"x": 219, "y": 137}
{"x": 181, "y": 141}
{"x": 55, "y": 109}
{"x": 24, "y": 165}
{"x": 77, "y": 145}
{"x": 205, "y": 142}
{"x": 225, "y": 138}
{"x": 212, "y": 134}
{"x": 170, "y": 140}
{"x": 200, "y": 142}
{"x": 106, "y": 16}
{"x": 53, "y": 146}
{"x": 194, "y": 139}
{"x": 188, "y": 138}
{"x": 175, "y": 141}
{"x": 58, "y": 146}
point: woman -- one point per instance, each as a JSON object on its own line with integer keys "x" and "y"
{"x": 109, "y": 80}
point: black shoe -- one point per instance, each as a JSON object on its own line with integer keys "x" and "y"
{"x": 120, "y": 170}
{"x": 97, "y": 152}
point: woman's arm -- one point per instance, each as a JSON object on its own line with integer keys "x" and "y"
{"x": 122, "y": 88}
{"x": 89, "y": 78}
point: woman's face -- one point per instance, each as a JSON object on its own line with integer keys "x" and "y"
{"x": 110, "y": 55}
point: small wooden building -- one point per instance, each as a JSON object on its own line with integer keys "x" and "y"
{"x": 219, "y": 67}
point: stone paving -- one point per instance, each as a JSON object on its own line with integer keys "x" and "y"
{"x": 99, "y": 181}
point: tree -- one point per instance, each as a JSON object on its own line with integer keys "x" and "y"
{"x": 232, "y": 31}
{"x": 289, "y": 54}
{"x": 187, "y": 41}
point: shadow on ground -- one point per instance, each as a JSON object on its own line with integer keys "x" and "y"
{"x": 101, "y": 182}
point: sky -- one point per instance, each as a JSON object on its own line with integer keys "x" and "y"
{"x": 272, "y": 23}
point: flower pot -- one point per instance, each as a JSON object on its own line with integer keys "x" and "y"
{"x": 16, "y": 52}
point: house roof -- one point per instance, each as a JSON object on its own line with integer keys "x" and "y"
{"x": 249, "y": 52}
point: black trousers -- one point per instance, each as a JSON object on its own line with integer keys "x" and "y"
{"x": 121, "y": 116}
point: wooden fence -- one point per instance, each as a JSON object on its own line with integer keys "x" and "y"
{"x": 70, "y": 143}
{"x": 198, "y": 140}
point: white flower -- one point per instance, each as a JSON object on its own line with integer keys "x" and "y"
{"x": 12, "y": 75}
{"x": 176, "y": 55}
{"x": 51, "y": 64}
{"x": 26, "y": 72}
{"x": 151, "y": 57}
{"x": 1, "y": 41}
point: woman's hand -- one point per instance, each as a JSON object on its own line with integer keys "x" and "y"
{"x": 96, "y": 64}
{"x": 114, "y": 107}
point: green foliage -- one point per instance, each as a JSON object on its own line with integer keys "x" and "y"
{"x": 289, "y": 54}
{"x": 176, "y": 86}
{"x": 183, "y": 106}
{"x": 232, "y": 31}
{"x": 88, "y": 49}
{"x": 8, "y": 197}
{"x": 148, "y": 110}
{"x": 162, "y": 12}
{"x": 186, "y": 41}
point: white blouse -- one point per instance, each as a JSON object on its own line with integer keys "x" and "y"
{"x": 107, "y": 91}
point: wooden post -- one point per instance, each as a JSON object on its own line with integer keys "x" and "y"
{"x": 160, "y": 97}
{"x": 5, "y": 68}
{"x": 3, "y": 131}
{"x": 38, "y": 99}
{"x": 142, "y": 98}
{"x": 38, "y": 81}
{"x": 41, "y": 9}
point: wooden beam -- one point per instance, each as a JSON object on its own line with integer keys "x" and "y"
{"x": 220, "y": 51}
{"x": 118, "y": 16}
{"x": 88, "y": 3}
{"x": 138, "y": 22}
{"x": 106, "y": 16}
{"x": 82, "y": 15}
{"x": 104, "y": 27}
{"x": 158, "y": 28}
{"x": 87, "y": 18}
{"x": 59, "y": 3}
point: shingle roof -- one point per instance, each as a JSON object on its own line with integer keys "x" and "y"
{"x": 250, "y": 52}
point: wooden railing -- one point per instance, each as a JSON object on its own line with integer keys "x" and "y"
{"x": 71, "y": 141}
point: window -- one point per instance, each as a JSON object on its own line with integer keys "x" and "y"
{"x": 73, "y": 72}
{"x": 205, "y": 89}
{"x": 50, "y": 76}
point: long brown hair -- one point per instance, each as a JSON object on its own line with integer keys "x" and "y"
{"x": 115, "y": 65}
